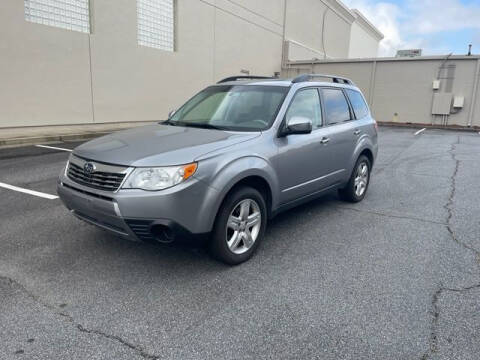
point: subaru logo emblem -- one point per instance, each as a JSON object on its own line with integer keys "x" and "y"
{"x": 89, "y": 167}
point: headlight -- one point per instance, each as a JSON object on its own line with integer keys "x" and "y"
{"x": 159, "y": 178}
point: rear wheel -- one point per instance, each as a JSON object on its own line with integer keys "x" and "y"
{"x": 239, "y": 227}
{"x": 357, "y": 186}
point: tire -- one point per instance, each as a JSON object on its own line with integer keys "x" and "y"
{"x": 236, "y": 246}
{"x": 352, "y": 192}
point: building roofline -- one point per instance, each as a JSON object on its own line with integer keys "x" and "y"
{"x": 353, "y": 15}
{"x": 341, "y": 9}
{"x": 385, "y": 59}
{"x": 367, "y": 25}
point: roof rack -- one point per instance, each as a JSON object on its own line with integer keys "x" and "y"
{"x": 335, "y": 78}
{"x": 244, "y": 77}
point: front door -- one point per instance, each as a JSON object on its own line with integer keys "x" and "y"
{"x": 301, "y": 158}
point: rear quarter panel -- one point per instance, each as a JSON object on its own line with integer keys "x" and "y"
{"x": 367, "y": 140}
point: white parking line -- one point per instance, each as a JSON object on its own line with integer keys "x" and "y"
{"x": 420, "y": 131}
{"x": 30, "y": 192}
{"x": 53, "y": 148}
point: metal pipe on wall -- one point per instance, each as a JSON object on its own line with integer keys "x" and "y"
{"x": 284, "y": 39}
{"x": 372, "y": 83}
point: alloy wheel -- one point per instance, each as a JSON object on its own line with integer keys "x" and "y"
{"x": 361, "y": 179}
{"x": 243, "y": 226}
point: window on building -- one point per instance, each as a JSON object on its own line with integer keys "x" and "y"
{"x": 336, "y": 106}
{"x": 155, "y": 24}
{"x": 359, "y": 106}
{"x": 66, "y": 14}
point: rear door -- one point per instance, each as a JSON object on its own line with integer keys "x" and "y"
{"x": 340, "y": 130}
{"x": 362, "y": 113}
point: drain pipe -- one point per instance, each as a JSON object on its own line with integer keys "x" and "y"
{"x": 372, "y": 82}
{"x": 476, "y": 79}
{"x": 323, "y": 32}
{"x": 284, "y": 39}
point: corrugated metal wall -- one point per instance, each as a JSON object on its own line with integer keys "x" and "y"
{"x": 401, "y": 90}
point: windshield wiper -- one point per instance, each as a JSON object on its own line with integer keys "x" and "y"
{"x": 199, "y": 125}
{"x": 167, "y": 122}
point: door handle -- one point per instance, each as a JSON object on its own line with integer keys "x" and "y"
{"x": 324, "y": 140}
{"x": 356, "y": 132}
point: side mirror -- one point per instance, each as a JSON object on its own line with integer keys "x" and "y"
{"x": 171, "y": 113}
{"x": 298, "y": 125}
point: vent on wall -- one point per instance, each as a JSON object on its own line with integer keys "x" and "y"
{"x": 66, "y": 14}
{"x": 155, "y": 24}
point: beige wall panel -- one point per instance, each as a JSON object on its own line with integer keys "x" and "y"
{"x": 298, "y": 52}
{"x": 405, "y": 88}
{"x": 241, "y": 45}
{"x": 362, "y": 44}
{"x": 304, "y": 22}
{"x": 44, "y": 72}
{"x": 476, "y": 110}
{"x": 463, "y": 86}
{"x": 291, "y": 72}
{"x": 270, "y": 9}
{"x": 336, "y": 35}
{"x": 402, "y": 90}
{"x": 267, "y": 13}
{"x": 134, "y": 83}
{"x": 358, "y": 73}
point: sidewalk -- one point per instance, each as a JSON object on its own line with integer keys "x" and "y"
{"x": 42, "y": 134}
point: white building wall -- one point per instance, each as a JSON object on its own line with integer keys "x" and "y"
{"x": 51, "y": 75}
{"x": 44, "y": 71}
{"x": 317, "y": 29}
{"x": 362, "y": 44}
{"x": 364, "y": 37}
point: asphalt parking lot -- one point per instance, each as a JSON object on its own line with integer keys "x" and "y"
{"x": 394, "y": 277}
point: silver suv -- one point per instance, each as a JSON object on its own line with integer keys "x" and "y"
{"x": 233, "y": 156}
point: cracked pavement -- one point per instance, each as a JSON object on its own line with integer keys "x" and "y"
{"x": 396, "y": 276}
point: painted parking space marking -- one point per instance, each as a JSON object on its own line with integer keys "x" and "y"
{"x": 27, "y": 191}
{"x": 53, "y": 148}
{"x": 420, "y": 131}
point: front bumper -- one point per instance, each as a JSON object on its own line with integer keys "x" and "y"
{"x": 183, "y": 211}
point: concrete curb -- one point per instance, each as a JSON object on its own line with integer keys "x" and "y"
{"x": 33, "y": 140}
{"x": 33, "y": 135}
{"x": 429, "y": 126}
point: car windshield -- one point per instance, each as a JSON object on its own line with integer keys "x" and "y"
{"x": 236, "y": 108}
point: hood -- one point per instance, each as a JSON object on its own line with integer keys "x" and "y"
{"x": 159, "y": 145}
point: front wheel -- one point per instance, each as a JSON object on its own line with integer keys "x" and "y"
{"x": 357, "y": 186}
{"x": 239, "y": 227}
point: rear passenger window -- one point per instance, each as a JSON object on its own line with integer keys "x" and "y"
{"x": 336, "y": 106}
{"x": 359, "y": 107}
{"x": 306, "y": 103}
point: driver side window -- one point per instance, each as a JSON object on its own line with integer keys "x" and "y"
{"x": 306, "y": 103}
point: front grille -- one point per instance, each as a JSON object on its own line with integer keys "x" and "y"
{"x": 102, "y": 180}
{"x": 141, "y": 228}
